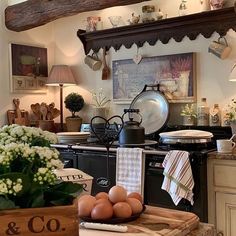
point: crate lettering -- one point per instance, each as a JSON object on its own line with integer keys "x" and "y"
{"x": 12, "y": 229}
{"x": 52, "y": 225}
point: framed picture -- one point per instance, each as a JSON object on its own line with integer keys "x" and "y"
{"x": 28, "y": 68}
{"x": 174, "y": 73}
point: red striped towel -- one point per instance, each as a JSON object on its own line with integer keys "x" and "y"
{"x": 178, "y": 180}
{"x": 129, "y": 169}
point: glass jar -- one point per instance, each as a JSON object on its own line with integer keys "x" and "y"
{"x": 215, "y": 117}
{"x": 203, "y": 113}
{"x": 149, "y": 14}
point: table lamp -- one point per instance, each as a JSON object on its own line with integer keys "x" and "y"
{"x": 60, "y": 75}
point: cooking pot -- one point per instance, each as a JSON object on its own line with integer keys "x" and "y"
{"x": 153, "y": 106}
{"x": 132, "y": 132}
{"x": 189, "y": 136}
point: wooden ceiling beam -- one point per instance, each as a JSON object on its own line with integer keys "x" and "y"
{"x": 33, "y": 13}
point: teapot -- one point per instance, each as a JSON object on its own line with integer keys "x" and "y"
{"x": 132, "y": 132}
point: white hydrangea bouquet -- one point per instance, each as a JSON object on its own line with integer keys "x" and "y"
{"x": 27, "y": 164}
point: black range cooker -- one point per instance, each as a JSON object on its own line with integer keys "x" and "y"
{"x": 92, "y": 159}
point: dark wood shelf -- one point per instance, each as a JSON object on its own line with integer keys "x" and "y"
{"x": 205, "y": 23}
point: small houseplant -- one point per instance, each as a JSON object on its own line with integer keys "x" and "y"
{"x": 28, "y": 185}
{"x": 189, "y": 114}
{"x": 229, "y": 117}
{"x": 99, "y": 102}
{"x": 74, "y": 102}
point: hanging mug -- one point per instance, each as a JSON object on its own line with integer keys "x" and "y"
{"x": 93, "y": 62}
{"x": 219, "y": 48}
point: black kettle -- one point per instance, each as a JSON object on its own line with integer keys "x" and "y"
{"x": 132, "y": 132}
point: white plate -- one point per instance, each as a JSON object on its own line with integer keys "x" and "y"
{"x": 65, "y": 134}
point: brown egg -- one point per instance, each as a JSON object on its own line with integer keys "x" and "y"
{"x": 102, "y": 200}
{"x": 135, "y": 205}
{"x": 117, "y": 194}
{"x": 101, "y": 195}
{"x": 85, "y": 206}
{"x": 102, "y": 211}
{"x": 122, "y": 209}
{"x": 86, "y": 197}
{"x": 136, "y": 195}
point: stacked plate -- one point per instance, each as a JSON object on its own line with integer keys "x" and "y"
{"x": 72, "y": 137}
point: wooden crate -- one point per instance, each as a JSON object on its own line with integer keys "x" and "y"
{"x": 46, "y": 221}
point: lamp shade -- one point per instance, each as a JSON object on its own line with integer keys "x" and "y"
{"x": 60, "y": 75}
{"x": 232, "y": 75}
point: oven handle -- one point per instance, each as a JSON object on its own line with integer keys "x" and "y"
{"x": 155, "y": 171}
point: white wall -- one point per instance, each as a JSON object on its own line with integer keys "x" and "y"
{"x": 41, "y": 36}
{"x": 212, "y": 72}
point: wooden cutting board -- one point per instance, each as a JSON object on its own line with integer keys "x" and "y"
{"x": 157, "y": 222}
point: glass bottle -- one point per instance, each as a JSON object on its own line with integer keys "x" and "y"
{"x": 183, "y": 8}
{"x": 215, "y": 117}
{"x": 203, "y": 113}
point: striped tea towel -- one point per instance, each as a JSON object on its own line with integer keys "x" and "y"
{"x": 178, "y": 180}
{"x": 129, "y": 169}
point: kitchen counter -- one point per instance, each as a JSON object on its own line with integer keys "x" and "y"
{"x": 224, "y": 156}
{"x": 160, "y": 221}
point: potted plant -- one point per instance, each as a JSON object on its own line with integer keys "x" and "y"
{"x": 74, "y": 102}
{"x": 99, "y": 102}
{"x": 30, "y": 191}
{"x": 189, "y": 114}
{"x": 229, "y": 117}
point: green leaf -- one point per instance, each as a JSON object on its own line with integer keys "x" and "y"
{"x": 68, "y": 187}
{"x": 6, "y": 204}
{"x": 58, "y": 198}
{"x": 38, "y": 199}
{"x": 40, "y": 141}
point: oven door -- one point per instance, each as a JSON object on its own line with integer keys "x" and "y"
{"x": 153, "y": 194}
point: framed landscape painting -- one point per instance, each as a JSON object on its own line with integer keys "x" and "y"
{"x": 28, "y": 68}
{"x": 174, "y": 73}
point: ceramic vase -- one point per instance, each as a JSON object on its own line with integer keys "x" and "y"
{"x": 47, "y": 125}
{"x": 188, "y": 120}
{"x": 99, "y": 111}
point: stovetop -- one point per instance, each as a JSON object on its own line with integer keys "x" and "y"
{"x": 218, "y": 132}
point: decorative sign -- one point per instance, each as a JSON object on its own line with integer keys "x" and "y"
{"x": 29, "y": 69}
{"x": 174, "y": 73}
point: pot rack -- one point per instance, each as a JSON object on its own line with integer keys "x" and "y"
{"x": 205, "y": 23}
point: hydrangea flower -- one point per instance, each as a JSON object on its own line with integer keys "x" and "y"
{"x": 27, "y": 164}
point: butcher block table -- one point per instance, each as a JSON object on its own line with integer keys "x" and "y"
{"x": 159, "y": 222}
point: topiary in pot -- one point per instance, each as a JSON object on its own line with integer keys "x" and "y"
{"x": 74, "y": 102}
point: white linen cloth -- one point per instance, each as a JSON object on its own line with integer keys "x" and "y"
{"x": 178, "y": 180}
{"x": 129, "y": 169}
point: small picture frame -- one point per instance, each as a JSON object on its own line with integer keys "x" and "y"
{"x": 174, "y": 73}
{"x": 28, "y": 68}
